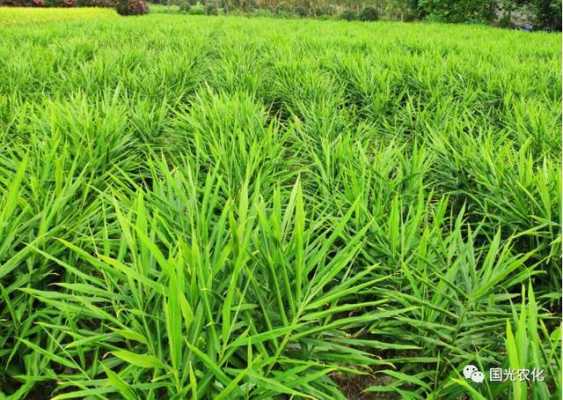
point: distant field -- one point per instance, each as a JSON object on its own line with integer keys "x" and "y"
{"x": 33, "y": 16}
{"x": 224, "y": 207}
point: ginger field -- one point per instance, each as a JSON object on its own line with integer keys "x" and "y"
{"x": 198, "y": 207}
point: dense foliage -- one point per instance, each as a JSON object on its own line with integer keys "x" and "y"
{"x": 369, "y": 14}
{"x": 210, "y": 208}
{"x": 132, "y": 7}
{"x": 542, "y": 14}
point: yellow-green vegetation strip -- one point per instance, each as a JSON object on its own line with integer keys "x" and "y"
{"x": 28, "y": 17}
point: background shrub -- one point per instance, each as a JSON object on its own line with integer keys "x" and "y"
{"x": 132, "y": 7}
{"x": 300, "y": 11}
{"x": 547, "y": 14}
{"x": 184, "y": 6}
{"x": 282, "y": 9}
{"x": 505, "y": 21}
{"x": 263, "y": 12}
{"x": 458, "y": 10}
{"x": 325, "y": 10}
{"x": 211, "y": 9}
{"x": 369, "y": 14}
{"x": 197, "y": 9}
{"x": 349, "y": 15}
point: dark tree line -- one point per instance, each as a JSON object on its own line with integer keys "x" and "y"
{"x": 544, "y": 14}
{"x": 539, "y": 14}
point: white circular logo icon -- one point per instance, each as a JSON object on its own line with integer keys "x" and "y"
{"x": 469, "y": 370}
{"x": 477, "y": 377}
{"x": 473, "y": 373}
